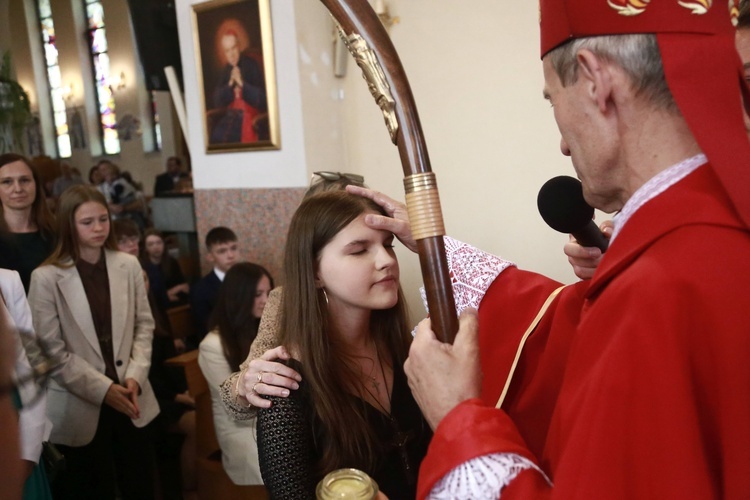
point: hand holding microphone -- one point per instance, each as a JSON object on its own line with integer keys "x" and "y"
{"x": 563, "y": 208}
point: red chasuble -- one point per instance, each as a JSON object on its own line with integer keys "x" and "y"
{"x": 633, "y": 385}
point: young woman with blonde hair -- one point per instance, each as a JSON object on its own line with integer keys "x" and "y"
{"x": 91, "y": 313}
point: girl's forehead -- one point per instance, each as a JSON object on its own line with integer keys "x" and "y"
{"x": 90, "y": 207}
{"x": 358, "y": 229}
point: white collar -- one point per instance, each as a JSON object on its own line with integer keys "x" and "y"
{"x": 654, "y": 187}
{"x": 219, "y": 274}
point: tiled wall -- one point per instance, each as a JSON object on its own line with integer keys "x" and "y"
{"x": 260, "y": 217}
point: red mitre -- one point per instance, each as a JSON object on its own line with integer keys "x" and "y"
{"x": 701, "y": 66}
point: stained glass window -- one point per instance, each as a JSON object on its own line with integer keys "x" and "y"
{"x": 103, "y": 81}
{"x": 54, "y": 79}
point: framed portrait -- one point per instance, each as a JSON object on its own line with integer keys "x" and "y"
{"x": 236, "y": 76}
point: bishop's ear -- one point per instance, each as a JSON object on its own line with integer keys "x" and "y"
{"x": 597, "y": 77}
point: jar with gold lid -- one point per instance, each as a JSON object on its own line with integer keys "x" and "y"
{"x": 347, "y": 484}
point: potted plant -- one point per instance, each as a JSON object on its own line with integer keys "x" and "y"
{"x": 15, "y": 112}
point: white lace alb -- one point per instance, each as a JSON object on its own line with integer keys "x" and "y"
{"x": 472, "y": 272}
{"x": 482, "y": 477}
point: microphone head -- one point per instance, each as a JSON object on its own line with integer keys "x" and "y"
{"x": 562, "y": 205}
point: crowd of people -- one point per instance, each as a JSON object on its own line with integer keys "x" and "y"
{"x": 88, "y": 294}
{"x": 631, "y": 383}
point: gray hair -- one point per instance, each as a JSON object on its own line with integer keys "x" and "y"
{"x": 638, "y": 55}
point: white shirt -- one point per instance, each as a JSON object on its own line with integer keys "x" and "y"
{"x": 219, "y": 274}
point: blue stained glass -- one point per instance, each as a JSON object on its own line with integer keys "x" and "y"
{"x": 54, "y": 78}
{"x": 95, "y": 15}
{"x": 99, "y": 41}
{"x": 44, "y": 9}
{"x": 100, "y": 59}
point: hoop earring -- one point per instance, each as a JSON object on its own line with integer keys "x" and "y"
{"x": 325, "y": 295}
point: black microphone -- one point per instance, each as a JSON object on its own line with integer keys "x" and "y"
{"x": 564, "y": 209}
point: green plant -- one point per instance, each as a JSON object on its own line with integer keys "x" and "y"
{"x": 15, "y": 111}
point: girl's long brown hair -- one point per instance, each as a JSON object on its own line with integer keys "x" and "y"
{"x": 66, "y": 251}
{"x": 40, "y": 214}
{"x": 330, "y": 373}
{"x": 233, "y": 316}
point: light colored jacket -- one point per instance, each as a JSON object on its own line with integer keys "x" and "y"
{"x": 239, "y": 448}
{"x": 65, "y": 327}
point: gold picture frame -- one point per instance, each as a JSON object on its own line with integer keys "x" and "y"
{"x": 236, "y": 75}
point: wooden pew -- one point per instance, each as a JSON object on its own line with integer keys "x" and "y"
{"x": 213, "y": 481}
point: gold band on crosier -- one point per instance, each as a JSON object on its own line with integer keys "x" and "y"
{"x": 423, "y": 205}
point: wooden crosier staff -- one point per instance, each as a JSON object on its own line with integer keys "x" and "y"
{"x": 367, "y": 40}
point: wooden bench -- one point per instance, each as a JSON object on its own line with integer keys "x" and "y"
{"x": 213, "y": 481}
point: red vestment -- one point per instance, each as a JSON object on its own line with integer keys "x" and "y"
{"x": 633, "y": 385}
{"x": 248, "y": 116}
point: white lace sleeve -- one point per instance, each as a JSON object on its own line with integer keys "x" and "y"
{"x": 482, "y": 477}
{"x": 472, "y": 273}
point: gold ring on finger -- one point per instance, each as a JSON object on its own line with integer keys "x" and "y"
{"x": 254, "y": 386}
{"x": 260, "y": 377}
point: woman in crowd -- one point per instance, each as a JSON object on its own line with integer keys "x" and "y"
{"x": 234, "y": 325}
{"x": 96, "y": 179}
{"x": 345, "y": 324}
{"x": 164, "y": 274}
{"x": 27, "y": 234}
{"x": 90, "y": 312}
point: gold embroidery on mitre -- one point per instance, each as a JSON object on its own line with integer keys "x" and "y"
{"x": 628, "y": 7}
{"x": 698, "y": 7}
{"x": 734, "y": 12}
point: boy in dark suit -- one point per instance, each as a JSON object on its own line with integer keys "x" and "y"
{"x": 223, "y": 252}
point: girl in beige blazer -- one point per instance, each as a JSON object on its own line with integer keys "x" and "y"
{"x": 99, "y": 400}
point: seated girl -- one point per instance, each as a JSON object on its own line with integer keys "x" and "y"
{"x": 234, "y": 325}
{"x": 344, "y": 321}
